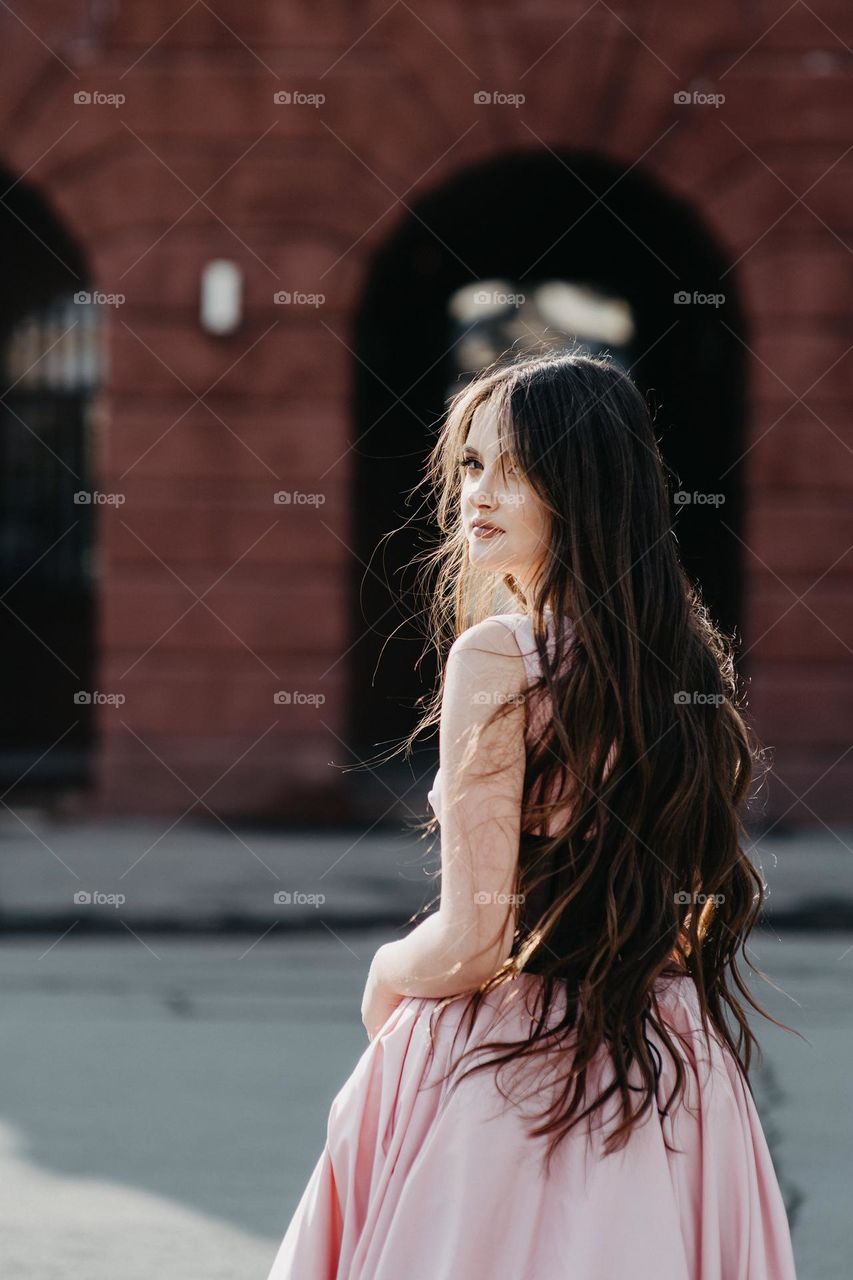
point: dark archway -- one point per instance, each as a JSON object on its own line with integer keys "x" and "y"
{"x": 528, "y": 218}
{"x": 50, "y": 358}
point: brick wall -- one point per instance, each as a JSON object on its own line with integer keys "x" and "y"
{"x": 302, "y": 198}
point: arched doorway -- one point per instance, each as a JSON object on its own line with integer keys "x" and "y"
{"x": 50, "y": 357}
{"x": 534, "y": 221}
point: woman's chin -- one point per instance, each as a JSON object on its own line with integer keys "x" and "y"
{"x": 487, "y": 558}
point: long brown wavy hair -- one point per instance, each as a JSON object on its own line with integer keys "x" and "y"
{"x": 644, "y": 742}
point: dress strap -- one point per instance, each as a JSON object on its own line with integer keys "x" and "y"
{"x": 521, "y": 625}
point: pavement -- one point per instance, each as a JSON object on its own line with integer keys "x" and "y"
{"x": 207, "y": 876}
{"x": 164, "y": 1099}
{"x": 180, "y": 1006}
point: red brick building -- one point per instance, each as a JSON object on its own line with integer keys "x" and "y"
{"x": 177, "y": 632}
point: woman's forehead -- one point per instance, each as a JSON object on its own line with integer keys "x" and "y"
{"x": 486, "y": 431}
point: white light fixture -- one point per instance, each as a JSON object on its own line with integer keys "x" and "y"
{"x": 221, "y": 296}
{"x": 583, "y": 311}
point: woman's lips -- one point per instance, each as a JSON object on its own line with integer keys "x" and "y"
{"x": 485, "y": 531}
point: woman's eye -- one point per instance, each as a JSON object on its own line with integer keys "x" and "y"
{"x": 464, "y": 463}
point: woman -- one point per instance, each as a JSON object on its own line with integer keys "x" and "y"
{"x": 551, "y": 1087}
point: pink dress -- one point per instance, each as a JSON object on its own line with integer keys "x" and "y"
{"x": 420, "y": 1182}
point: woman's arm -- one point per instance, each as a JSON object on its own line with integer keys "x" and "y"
{"x": 482, "y": 773}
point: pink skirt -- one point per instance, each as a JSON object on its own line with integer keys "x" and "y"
{"x": 418, "y": 1181}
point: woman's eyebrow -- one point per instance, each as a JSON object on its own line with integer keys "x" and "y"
{"x": 469, "y": 448}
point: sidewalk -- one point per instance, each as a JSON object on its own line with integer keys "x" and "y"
{"x": 101, "y": 876}
{"x": 202, "y": 877}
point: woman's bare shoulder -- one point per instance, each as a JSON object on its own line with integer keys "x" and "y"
{"x": 493, "y": 636}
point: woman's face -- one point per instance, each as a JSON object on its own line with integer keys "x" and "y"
{"x": 515, "y": 537}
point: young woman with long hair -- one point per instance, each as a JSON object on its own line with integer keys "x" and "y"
{"x": 556, "y": 1083}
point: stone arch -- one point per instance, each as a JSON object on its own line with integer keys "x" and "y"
{"x": 50, "y": 355}
{"x": 587, "y": 219}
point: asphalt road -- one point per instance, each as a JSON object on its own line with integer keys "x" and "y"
{"x": 164, "y": 1101}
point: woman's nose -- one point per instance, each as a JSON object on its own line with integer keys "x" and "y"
{"x": 484, "y": 490}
